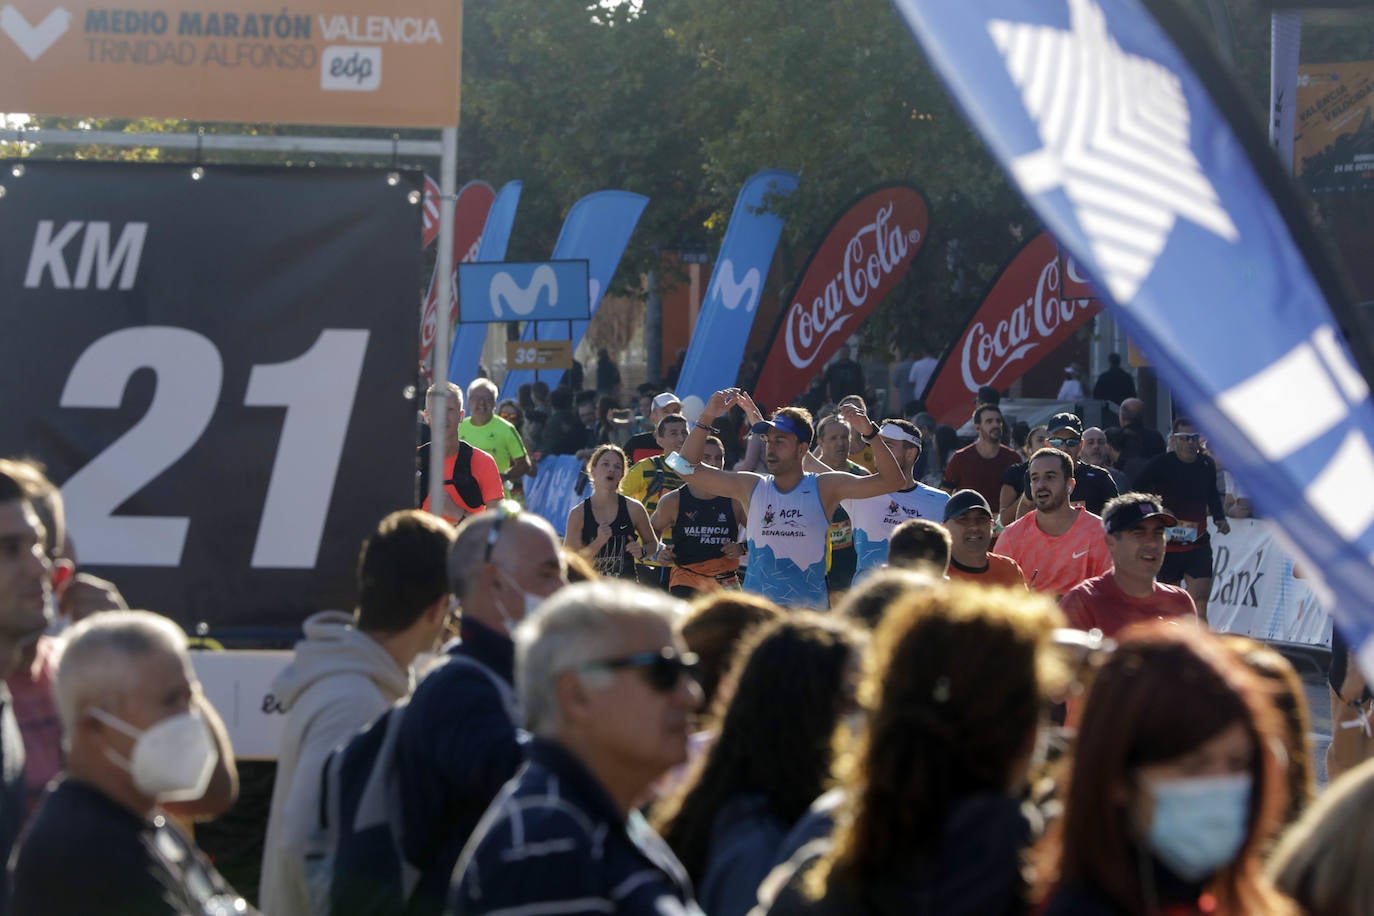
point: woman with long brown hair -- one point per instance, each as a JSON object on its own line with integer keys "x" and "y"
{"x": 1174, "y": 787}
{"x": 792, "y": 680}
{"x": 954, "y": 691}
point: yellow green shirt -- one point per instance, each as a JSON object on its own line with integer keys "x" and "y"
{"x": 498, "y": 438}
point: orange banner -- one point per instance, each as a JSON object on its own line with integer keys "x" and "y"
{"x": 351, "y": 62}
{"x": 1333, "y": 149}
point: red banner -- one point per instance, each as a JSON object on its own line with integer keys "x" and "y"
{"x": 429, "y": 228}
{"x": 1024, "y": 317}
{"x": 858, "y": 262}
{"x": 469, "y": 219}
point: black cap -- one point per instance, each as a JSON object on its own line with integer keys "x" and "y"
{"x": 1123, "y": 516}
{"x": 1064, "y": 421}
{"x": 964, "y": 500}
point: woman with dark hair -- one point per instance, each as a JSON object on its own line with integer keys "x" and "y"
{"x": 954, "y": 691}
{"x": 1174, "y": 788}
{"x": 792, "y": 681}
{"x": 603, "y": 527}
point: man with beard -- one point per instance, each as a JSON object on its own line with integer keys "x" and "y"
{"x": 1092, "y": 485}
{"x": 1057, "y": 545}
{"x": 1135, "y": 525}
{"x": 968, "y": 519}
{"x": 789, "y": 508}
{"x": 980, "y": 466}
{"x": 1186, "y": 479}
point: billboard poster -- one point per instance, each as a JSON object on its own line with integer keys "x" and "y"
{"x": 1334, "y": 143}
{"x": 187, "y": 357}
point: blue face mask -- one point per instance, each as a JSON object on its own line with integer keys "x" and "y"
{"x": 1199, "y": 824}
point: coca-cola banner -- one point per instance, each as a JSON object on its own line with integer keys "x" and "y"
{"x": 1024, "y": 317}
{"x": 858, "y": 262}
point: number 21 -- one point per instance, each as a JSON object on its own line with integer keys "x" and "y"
{"x": 317, "y": 389}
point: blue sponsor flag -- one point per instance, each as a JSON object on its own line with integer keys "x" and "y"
{"x": 466, "y": 354}
{"x": 514, "y": 291}
{"x": 596, "y": 230}
{"x": 732, "y": 296}
{"x": 1137, "y": 151}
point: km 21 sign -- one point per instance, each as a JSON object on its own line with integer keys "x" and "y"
{"x": 187, "y": 359}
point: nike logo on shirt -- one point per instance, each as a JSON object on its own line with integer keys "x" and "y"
{"x": 1081, "y": 554}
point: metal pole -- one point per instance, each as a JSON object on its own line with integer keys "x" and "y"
{"x": 448, "y": 186}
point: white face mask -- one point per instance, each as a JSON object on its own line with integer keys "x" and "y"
{"x": 172, "y": 760}
{"x": 532, "y": 602}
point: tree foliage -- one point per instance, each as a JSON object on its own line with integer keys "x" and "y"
{"x": 681, "y": 100}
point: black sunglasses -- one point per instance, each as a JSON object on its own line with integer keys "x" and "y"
{"x": 506, "y": 508}
{"x": 662, "y": 669}
{"x": 1058, "y": 442}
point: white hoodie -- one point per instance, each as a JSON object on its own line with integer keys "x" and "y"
{"x": 340, "y": 680}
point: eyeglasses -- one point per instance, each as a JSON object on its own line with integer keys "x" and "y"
{"x": 506, "y": 508}
{"x": 662, "y": 669}
{"x": 1188, "y": 437}
{"x": 1058, "y": 442}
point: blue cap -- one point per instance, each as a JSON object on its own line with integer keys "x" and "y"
{"x": 783, "y": 424}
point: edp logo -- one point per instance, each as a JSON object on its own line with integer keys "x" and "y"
{"x": 351, "y": 68}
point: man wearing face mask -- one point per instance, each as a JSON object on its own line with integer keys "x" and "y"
{"x": 137, "y": 736}
{"x": 348, "y": 670}
{"x": 457, "y": 743}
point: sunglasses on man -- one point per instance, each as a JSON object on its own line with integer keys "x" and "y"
{"x": 1061, "y": 442}
{"x": 662, "y": 670}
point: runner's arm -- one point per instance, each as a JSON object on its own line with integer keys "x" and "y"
{"x": 838, "y": 485}
{"x": 665, "y": 513}
{"x": 648, "y": 544}
{"x": 735, "y": 484}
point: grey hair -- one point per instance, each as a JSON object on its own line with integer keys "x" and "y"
{"x": 469, "y": 550}
{"x": 482, "y": 384}
{"x": 99, "y": 654}
{"x": 575, "y": 626}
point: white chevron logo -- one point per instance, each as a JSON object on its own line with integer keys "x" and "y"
{"x": 1115, "y": 129}
{"x": 734, "y": 292}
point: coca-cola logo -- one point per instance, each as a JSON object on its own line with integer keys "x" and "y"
{"x": 871, "y": 256}
{"x": 990, "y": 351}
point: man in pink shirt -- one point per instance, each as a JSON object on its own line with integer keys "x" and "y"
{"x": 1056, "y": 545}
{"x": 1135, "y": 527}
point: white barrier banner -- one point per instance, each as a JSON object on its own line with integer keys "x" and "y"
{"x": 1255, "y": 592}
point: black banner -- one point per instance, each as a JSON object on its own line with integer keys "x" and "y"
{"x": 214, "y": 369}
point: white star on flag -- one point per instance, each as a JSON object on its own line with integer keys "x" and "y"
{"x": 1116, "y": 133}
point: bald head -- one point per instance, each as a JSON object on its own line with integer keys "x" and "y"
{"x": 1131, "y": 410}
{"x": 1093, "y": 449}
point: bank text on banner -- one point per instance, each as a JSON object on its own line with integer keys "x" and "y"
{"x": 860, "y": 259}
{"x": 1155, "y": 176}
{"x": 188, "y": 359}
